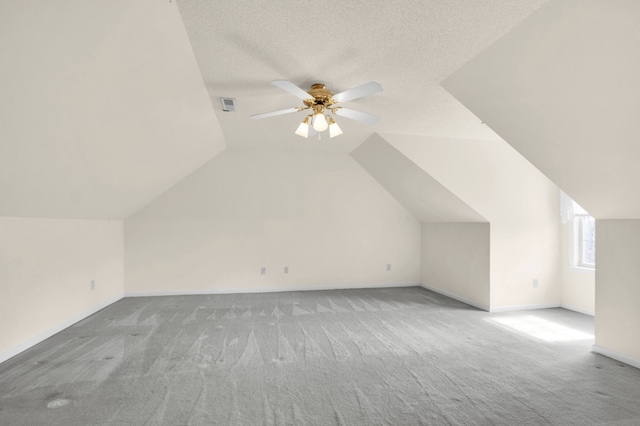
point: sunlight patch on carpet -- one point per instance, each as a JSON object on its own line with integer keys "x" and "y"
{"x": 539, "y": 328}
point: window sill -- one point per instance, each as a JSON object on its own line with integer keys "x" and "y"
{"x": 584, "y": 268}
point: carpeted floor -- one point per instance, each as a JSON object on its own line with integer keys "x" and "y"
{"x": 395, "y": 356}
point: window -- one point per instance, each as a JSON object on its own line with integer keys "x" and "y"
{"x": 582, "y": 233}
{"x": 585, "y": 240}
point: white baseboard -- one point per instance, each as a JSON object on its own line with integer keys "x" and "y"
{"x": 58, "y": 328}
{"x": 456, "y": 297}
{"x": 616, "y": 355}
{"x": 233, "y": 290}
{"x": 576, "y": 309}
{"x": 509, "y": 307}
{"x": 524, "y": 307}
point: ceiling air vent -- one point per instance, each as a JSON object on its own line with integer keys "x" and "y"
{"x": 228, "y": 104}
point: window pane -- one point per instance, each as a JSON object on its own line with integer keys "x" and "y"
{"x": 585, "y": 240}
{"x": 589, "y": 253}
{"x": 588, "y": 228}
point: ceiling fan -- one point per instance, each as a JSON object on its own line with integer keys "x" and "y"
{"x": 320, "y": 100}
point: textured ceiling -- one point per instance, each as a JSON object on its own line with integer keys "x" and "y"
{"x": 407, "y": 46}
{"x": 104, "y": 106}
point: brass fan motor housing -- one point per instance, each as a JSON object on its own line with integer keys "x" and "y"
{"x": 321, "y": 96}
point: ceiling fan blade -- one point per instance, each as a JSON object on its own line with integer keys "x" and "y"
{"x": 274, "y": 113}
{"x": 357, "y": 115}
{"x": 288, "y": 86}
{"x": 361, "y": 91}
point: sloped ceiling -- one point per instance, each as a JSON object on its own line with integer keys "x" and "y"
{"x": 563, "y": 89}
{"x": 490, "y": 176}
{"x": 407, "y": 46}
{"x": 426, "y": 198}
{"x": 102, "y": 107}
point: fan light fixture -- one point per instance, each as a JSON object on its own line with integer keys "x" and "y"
{"x": 320, "y": 122}
{"x": 334, "y": 129}
{"x": 303, "y": 128}
{"x": 322, "y": 101}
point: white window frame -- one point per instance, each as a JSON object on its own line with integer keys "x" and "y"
{"x": 579, "y": 241}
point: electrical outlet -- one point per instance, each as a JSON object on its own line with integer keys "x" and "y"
{"x": 93, "y": 284}
{"x": 286, "y": 269}
{"x": 263, "y": 270}
{"x": 535, "y": 283}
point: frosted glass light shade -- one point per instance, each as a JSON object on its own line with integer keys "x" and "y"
{"x": 303, "y": 129}
{"x": 334, "y": 129}
{"x": 320, "y": 122}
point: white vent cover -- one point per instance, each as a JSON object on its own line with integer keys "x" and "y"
{"x": 228, "y": 104}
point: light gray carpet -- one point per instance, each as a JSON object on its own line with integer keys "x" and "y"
{"x": 402, "y": 356}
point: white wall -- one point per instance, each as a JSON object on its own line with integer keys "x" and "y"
{"x": 618, "y": 289}
{"x": 563, "y": 89}
{"x": 578, "y": 285}
{"x": 455, "y": 261}
{"x": 46, "y": 268}
{"x": 521, "y": 204}
{"x": 320, "y": 214}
